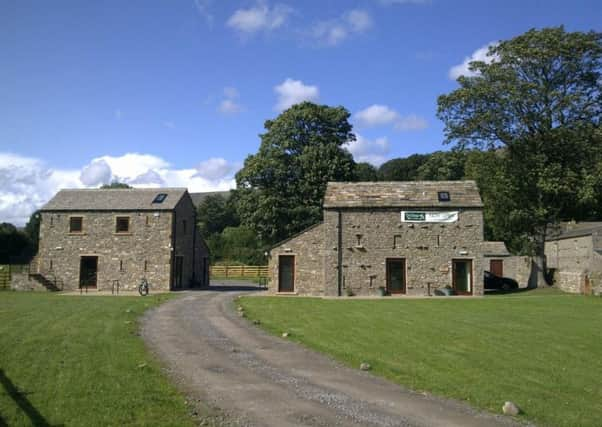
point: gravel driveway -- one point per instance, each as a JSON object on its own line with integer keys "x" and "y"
{"x": 256, "y": 379}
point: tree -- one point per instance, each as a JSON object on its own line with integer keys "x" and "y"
{"x": 539, "y": 98}
{"x": 32, "y": 231}
{"x": 365, "y": 172}
{"x": 442, "y": 166}
{"x": 13, "y": 243}
{"x": 280, "y": 189}
{"x": 115, "y": 184}
{"x": 215, "y": 213}
{"x": 240, "y": 244}
{"x": 402, "y": 169}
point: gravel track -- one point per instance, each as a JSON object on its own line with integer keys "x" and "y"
{"x": 222, "y": 361}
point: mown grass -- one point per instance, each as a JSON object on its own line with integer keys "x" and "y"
{"x": 78, "y": 361}
{"x": 543, "y": 352}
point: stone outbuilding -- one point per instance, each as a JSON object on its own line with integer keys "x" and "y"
{"x": 496, "y": 255}
{"x": 407, "y": 238}
{"x": 574, "y": 257}
{"x": 108, "y": 238}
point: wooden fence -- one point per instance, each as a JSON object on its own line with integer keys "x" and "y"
{"x": 239, "y": 270}
{"x": 5, "y": 272}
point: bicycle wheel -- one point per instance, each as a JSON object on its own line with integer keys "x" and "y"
{"x": 143, "y": 289}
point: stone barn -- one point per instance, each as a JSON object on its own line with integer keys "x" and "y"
{"x": 574, "y": 257}
{"x": 108, "y": 238}
{"x": 407, "y": 238}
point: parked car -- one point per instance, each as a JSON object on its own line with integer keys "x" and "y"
{"x": 502, "y": 283}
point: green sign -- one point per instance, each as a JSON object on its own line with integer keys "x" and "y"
{"x": 414, "y": 216}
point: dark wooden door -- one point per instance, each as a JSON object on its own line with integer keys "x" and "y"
{"x": 178, "y": 272}
{"x": 396, "y": 276}
{"x": 88, "y": 272}
{"x": 496, "y": 267}
{"x": 286, "y": 273}
{"x": 462, "y": 276}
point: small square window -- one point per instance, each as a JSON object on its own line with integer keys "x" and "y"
{"x": 160, "y": 198}
{"x": 76, "y": 224}
{"x": 443, "y": 196}
{"x": 122, "y": 224}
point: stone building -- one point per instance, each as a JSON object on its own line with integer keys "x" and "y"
{"x": 574, "y": 257}
{"x": 401, "y": 237}
{"x": 496, "y": 255}
{"x": 104, "y": 238}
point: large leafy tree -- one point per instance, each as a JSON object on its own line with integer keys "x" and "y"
{"x": 402, "y": 169}
{"x": 539, "y": 98}
{"x": 215, "y": 213}
{"x": 281, "y": 187}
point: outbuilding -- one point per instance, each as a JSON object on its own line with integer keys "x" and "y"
{"x": 407, "y": 238}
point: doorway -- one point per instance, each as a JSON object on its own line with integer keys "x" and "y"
{"x": 286, "y": 273}
{"x": 462, "y": 276}
{"x": 88, "y": 271}
{"x": 179, "y": 265}
{"x": 496, "y": 267}
{"x": 396, "y": 275}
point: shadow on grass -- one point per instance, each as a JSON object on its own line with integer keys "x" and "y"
{"x": 21, "y": 400}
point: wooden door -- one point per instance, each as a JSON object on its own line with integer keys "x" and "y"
{"x": 178, "y": 272}
{"x": 496, "y": 267}
{"x": 286, "y": 273}
{"x": 88, "y": 272}
{"x": 396, "y": 276}
{"x": 462, "y": 276}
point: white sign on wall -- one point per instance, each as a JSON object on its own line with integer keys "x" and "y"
{"x": 428, "y": 216}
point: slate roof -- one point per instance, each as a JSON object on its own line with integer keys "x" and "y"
{"x": 122, "y": 199}
{"x": 567, "y": 230}
{"x": 197, "y": 198}
{"x": 495, "y": 249}
{"x": 415, "y": 194}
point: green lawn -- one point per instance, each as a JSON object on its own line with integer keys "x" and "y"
{"x": 78, "y": 361}
{"x": 541, "y": 350}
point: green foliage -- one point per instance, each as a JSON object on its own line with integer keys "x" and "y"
{"x": 539, "y": 99}
{"x": 402, "y": 169}
{"x": 281, "y": 187}
{"x": 365, "y": 172}
{"x": 14, "y": 244}
{"x": 454, "y": 348}
{"x": 442, "y": 166}
{"x": 215, "y": 213}
{"x": 115, "y": 185}
{"x": 32, "y": 231}
{"x": 241, "y": 244}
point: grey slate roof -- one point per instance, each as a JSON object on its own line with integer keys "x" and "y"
{"x": 495, "y": 249}
{"x": 413, "y": 194}
{"x": 197, "y": 198}
{"x": 123, "y": 199}
{"x": 567, "y": 230}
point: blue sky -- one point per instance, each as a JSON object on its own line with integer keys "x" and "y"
{"x": 176, "y": 92}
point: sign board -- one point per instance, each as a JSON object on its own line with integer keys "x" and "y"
{"x": 428, "y": 216}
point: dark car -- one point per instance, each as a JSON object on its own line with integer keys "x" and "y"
{"x": 502, "y": 283}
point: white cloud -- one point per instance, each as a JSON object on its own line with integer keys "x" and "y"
{"x": 229, "y": 105}
{"x": 27, "y": 183}
{"x": 478, "y": 55}
{"x": 260, "y": 17}
{"x": 367, "y": 150}
{"x": 204, "y": 10}
{"x": 379, "y": 115}
{"x": 291, "y": 92}
{"x": 335, "y": 31}
{"x": 96, "y": 173}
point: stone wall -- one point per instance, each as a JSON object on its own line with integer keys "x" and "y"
{"x": 369, "y": 237}
{"x": 518, "y": 268}
{"x": 308, "y": 250}
{"x": 20, "y": 281}
{"x": 144, "y": 251}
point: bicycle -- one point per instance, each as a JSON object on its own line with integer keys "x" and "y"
{"x": 143, "y": 287}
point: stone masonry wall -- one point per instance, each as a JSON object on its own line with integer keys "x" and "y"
{"x": 372, "y": 236}
{"x": 121, "y": 256}
{"x": 20, "y": 281}
{"x": 309, "y": 262}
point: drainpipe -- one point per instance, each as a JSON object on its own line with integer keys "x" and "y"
{"x": 340, "y": 252}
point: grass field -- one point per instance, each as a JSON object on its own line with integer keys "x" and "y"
{"x": 542, "y": 350}
{"x": 78, "y": 361}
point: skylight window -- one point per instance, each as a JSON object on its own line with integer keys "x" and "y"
{"x": 443, "y": 196}
{"x": 160, "y": 198}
